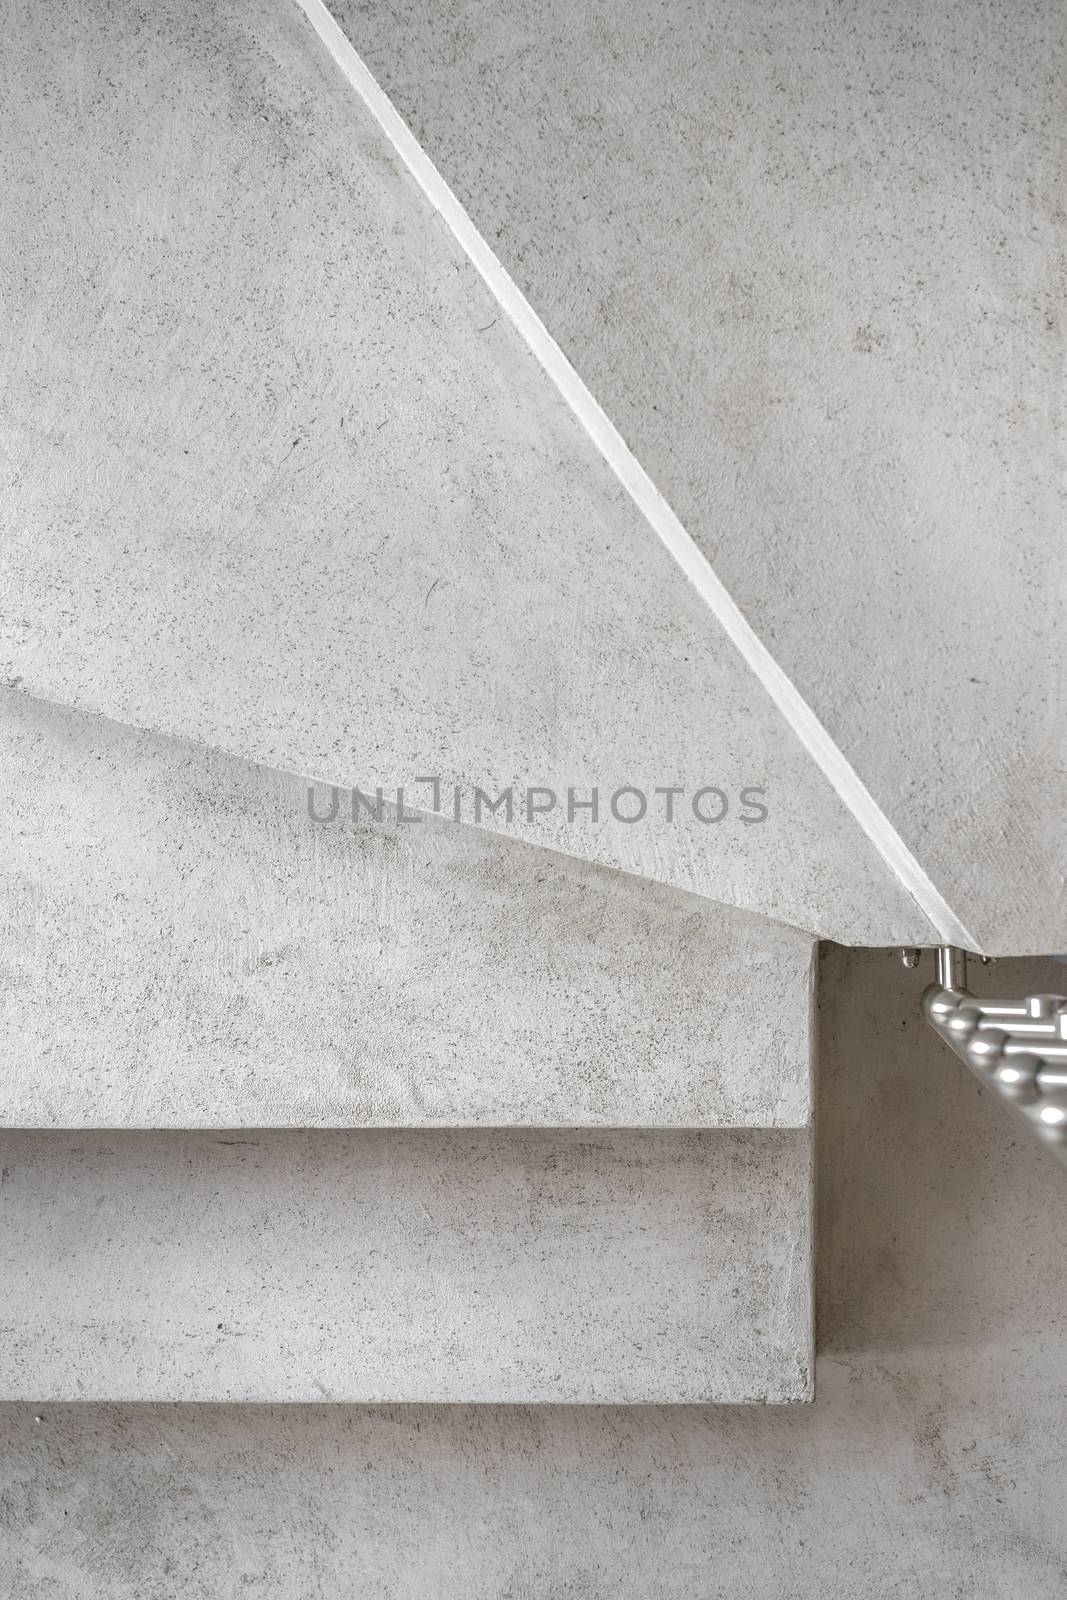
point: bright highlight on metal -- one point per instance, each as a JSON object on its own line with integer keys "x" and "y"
{"x": 1017, "y": 1047}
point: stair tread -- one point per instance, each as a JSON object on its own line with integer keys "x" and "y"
{"x": 185, "y": 947}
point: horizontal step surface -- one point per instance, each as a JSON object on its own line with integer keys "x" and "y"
{"x": 377, "y": 1266}
{"x": 182, "y": 945}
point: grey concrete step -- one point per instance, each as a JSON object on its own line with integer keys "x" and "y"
{"x": 287, "y": 481}
{"x": 513, "y": 1266}
{"x": 181, "y": 945}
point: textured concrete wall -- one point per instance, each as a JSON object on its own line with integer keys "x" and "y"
{"x": 810, "y": 259}
{"x": 929, "y": 1464}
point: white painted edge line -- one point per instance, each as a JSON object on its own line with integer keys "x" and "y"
{"x": 639, "y": 486}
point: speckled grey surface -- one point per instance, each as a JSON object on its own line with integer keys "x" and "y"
{"x": 385, "y": 1265}
{"x": 279, "y": 478}
{"x": 810, "y": 260}
{"x": 927, "y": 1466}
{"x": 180, "y": 945}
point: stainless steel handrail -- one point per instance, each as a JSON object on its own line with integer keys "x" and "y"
{"x": 1017, "y": 1047}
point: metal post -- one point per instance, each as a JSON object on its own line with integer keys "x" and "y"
{"x": 952, "y": 968}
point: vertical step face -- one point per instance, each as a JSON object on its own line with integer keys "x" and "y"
{"x": 811, "y": 267}
{"x": 486, "y": 1266}
{"x": 288, "y": 484}
{"x": 182, "y": 945}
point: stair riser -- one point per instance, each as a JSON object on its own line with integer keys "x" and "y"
{"x": 375, "y": 1266}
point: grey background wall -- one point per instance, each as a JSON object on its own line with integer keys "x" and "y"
{"x": 930, "y": 1463}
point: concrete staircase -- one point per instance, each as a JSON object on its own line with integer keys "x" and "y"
{"x": 659, "y": 411}
{"x": 473, "y": 1121}
{"x": 390, "y": 1108}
